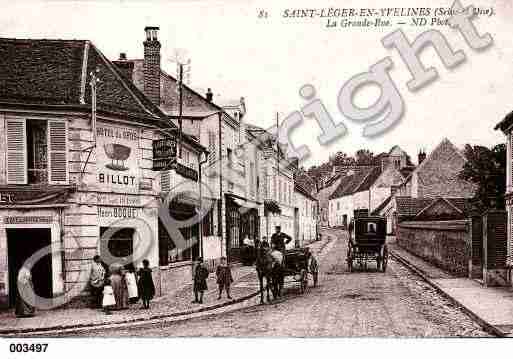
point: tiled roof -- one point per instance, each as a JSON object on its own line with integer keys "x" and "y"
{"x": 408, "y": 206}
{"x": 371, "y": 177}
{"x": 361, "y": 180}
{"x": 505, "y": 122}
{"x": 303, "y": 191}
{"x": 381, "y": 206}
{"x": 194, "y": 104}
{"x": 56, "y": 73}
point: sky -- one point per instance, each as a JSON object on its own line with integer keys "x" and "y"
{"x": 267, "y": 60}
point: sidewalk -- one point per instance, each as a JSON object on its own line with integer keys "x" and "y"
{"x": 175, "y": 304}
{"x": 492, "y": 307}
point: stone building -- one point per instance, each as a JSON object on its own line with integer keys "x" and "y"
{"x": 435, "y": 176}
{"x": 67, "y": 179}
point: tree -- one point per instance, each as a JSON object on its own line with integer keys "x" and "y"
{"x": 486, "y": 167}
{"x": 364, "y": 157}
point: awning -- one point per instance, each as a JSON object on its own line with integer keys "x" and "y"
{"x": 244, "y": 203}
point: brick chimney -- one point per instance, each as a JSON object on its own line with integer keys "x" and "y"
{"x": 421, "y": 156}
{"x": 151, "y": 66}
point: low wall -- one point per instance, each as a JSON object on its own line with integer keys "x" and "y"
{"x": 443, "y": 243}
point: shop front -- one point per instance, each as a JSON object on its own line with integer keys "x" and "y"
{"x": 242, "y": 221}
{"x": 30, "y": 228}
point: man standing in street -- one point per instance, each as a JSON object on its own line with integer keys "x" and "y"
{"x": 280, "y": 239}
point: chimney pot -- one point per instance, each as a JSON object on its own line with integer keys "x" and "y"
{"x": 122, "y": 56}
{"x": 209, "y": 95}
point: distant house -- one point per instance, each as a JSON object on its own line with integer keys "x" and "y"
{"x": 436, "y": 176}
{"x": 353, "y": 192}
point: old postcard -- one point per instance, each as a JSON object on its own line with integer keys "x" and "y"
{"x": 255, "y": 169}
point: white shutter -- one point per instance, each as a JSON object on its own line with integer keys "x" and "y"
{"x": 57, "y": 152}
{"x": 16, "y": 134}
{"x": 165, "y": 181}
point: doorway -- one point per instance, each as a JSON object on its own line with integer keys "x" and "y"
{"x": 22, "y": 243}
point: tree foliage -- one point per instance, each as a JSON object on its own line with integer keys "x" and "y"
{"x": 486, "y": 167}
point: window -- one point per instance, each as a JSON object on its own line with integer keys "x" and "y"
{"x": 208, "y": 222}
{"x": 275, "y": 194}
{"x": 338, "y": 206}
{"x": 252, "y": 178}
{"x": 36, "y": 151}
{"x": 211, "y": 147}
{"x": 229, "y": 156}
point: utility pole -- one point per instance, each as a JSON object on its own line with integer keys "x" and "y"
{"x": 180, "y": 108}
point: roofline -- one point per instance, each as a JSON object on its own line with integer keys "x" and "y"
{"x": 435, "y": 201}
{"x": 429, "y": 157}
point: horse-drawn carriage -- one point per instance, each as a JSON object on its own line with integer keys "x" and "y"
{"x": 367, "y": 236}
{"x": 297, "y": 266}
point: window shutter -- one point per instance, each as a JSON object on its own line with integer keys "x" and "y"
{"x": 165, "y": 181}
{"x": 57, "y": 153}
{"x": 16, "y": 133}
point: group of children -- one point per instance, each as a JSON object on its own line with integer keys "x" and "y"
{"x": 200, "y": 275}
{"x": 118, "y": 292}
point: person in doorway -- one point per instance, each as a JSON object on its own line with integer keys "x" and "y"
{"x": 108, "y": 302}
{"x": 131, "y": 282}
{"x": 119, "y": 286}
{"x": 96, "y": 281}
{"x": 25, "y": 297}
{"x": 200, "y": 281}
{"x": 224, "y": 278}
{"x": 146, "y": 285}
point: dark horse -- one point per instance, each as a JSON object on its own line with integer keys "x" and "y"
{"x": 269, "y": 269}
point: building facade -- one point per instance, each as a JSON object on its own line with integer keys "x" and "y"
{"x": 71, "y": 176}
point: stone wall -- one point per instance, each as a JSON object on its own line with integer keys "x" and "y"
{"x": 443, "y": 243}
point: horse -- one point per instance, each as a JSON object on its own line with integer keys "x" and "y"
{"x": 268, "y": 268}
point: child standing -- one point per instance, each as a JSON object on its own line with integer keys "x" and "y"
{"x": 108, "y": 297}
{"x": 131, "y": 282}
{"x": 146, "y": 285}
{"x": 224, "y": 278}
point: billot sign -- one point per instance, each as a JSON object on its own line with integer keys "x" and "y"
{"x": 117, "y": 157}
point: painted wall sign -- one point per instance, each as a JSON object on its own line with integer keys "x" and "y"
{"x": 113, "y": 199}
{"x": 28, "y": 219}
{"x": 118, "y": 212}
{"x": 117, "y": 157}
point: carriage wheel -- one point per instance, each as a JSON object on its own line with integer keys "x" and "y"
{"x": 385, "y": 259}
{"x": 303, "y": 281}
{"x": 349, "y": 260}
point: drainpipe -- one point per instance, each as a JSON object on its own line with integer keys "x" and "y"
{"x": 220, "y": 204}
{"x": 201, "y": 199}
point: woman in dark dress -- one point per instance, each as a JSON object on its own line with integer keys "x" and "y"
{"x": 146, "y": 285}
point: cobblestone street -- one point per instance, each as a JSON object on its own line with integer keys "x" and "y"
{"x": 371, "y": 303}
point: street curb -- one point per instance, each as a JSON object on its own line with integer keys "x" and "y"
{"x": 85, "y": 327}
{"x": 13, "y": 332}
{"x": 489, "y": 328}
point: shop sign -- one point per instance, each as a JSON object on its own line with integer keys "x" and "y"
{"x": 28, "y": 219}
{"x": 164, "y": 154}
{"x": 187, "y": 172}
{"x": 118, "y": 212}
